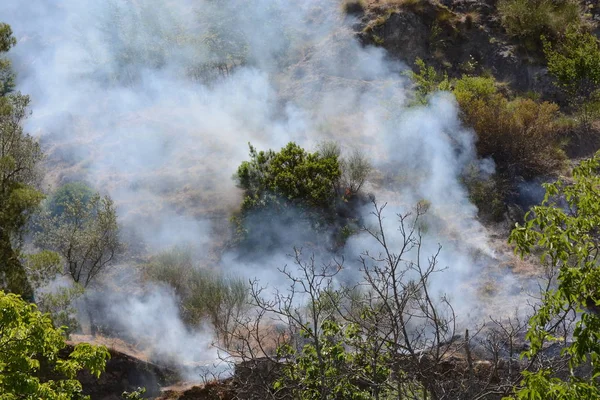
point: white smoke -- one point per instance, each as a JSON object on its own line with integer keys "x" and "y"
{"x": 114, "y": 104}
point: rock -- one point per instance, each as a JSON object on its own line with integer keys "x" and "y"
{"x": 458, "y": 37}
{"x": 124, "y": 373}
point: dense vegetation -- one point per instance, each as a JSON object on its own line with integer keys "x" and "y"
{"x": 30, "y": 340}
{"x": 20, "y": 155}
{"x": 390, "y": 337}
{"x": 530, "y": 20}
{"x": 204, "y": 294}
{"x": 565, "y": 236}
{"x": 322, "y": 187}
{"x": 30, "y": 353}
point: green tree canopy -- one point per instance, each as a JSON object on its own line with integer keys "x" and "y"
{"x": 575, "y": 64}
{"x": 67, "y": 194}
{"x": 7, "y": 76}
{"x": 564, "y": 230}
{"x": 29, "y": 348}
{"x": 82, "y": 228}
{"x": 290, "y": 176}
{"x": 20, "y": 155}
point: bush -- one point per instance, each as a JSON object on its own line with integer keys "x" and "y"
{"x": 520, "y": 135}
{"x": 354, "y": 6}
{"x": 291, "y": 175}
{"x": 204, "y": 294}
{"x": 575, "y": 65}
{"x": 529, "y": 20}
{"x": 321, "y": 188}
{"x": 487, "y": 193}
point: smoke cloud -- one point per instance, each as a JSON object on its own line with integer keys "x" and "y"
{"x": 154, "y": 102}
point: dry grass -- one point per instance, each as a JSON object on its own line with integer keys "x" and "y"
{"x": 118, "y": 345}
{"x": 470, "y": 19}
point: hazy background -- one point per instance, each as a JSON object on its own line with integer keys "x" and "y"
{"x": 154, "y": 102}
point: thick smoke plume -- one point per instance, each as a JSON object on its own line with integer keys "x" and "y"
{"x": 155, "y": 102}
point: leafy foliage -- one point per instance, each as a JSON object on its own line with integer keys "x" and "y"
{"x": 29, "y": 344}
{"x": 520, "y": 135}
{"x": 529, "y": 20}
{"x": 137, "y": 394}
{"x": 85, "y": 233}
{"x": 7, "y": 76}
{"x": 319, "y": 193}
{"x": 20, "y": 155}
{"x": 564, "y": 231}
{"x": 290, "y": 176}
{"x": 330, "y": 371}
{"x": 575, "y": 64}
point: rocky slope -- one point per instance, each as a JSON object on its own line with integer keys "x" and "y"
{"x": 457, "y": 36}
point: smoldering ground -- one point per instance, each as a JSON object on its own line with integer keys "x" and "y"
{"x": 155, "y": 102}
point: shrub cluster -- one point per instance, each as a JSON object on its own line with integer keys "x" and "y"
{"x": 574, "y": 63}
{"x": 529, "y": 20}
{"x": 521, "y": 135}
{"x": 322, "y": 187}
{"x": 204, "y": 294}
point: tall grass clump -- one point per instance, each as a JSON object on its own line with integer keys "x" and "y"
{"x": 204, "y": 294}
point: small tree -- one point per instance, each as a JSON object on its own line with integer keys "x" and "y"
{"x": 291, "y": 175}
{"x": 84, "y": 231}
{"x": 427, "y": 80}
{"x": 7, "y": 76}
{"x": 564, "y": 231}
{"x": 575, "y": 64}
{"x": 29, "y": 355}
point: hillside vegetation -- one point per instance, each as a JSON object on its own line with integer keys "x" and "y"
{"x": 357, "y": 305}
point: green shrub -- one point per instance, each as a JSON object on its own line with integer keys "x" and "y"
{"x": 319, "y": 192}
{"x": 575, "y": 65}
{"x": 290, "y": 175}
{"x": 528, "y": 20}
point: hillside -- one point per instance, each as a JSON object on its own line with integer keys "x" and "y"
{"x": 313, "y": 200}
